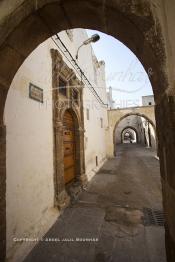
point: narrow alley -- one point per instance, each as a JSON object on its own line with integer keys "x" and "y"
{"x": 118, "y": 217}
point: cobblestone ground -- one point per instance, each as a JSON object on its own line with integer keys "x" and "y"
{"x": 106, "y": 223}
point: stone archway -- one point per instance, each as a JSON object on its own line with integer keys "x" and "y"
{"x": 123, "y": 117}
{"x": 129, "y": 127}
{"x": 137, "y": 114}
{"x": 138, "y": 24}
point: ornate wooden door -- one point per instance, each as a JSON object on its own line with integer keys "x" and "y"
{"x": 69, "y": 147}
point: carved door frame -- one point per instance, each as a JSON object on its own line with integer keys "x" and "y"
{"x": 60, "y": 105}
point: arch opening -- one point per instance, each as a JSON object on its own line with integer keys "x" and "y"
{"x": 143, "y": 127}
{"x": 129, "y": 135}
{"x": 32, "y": 27}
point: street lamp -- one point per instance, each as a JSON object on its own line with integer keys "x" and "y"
{"x": 94, "y": 38}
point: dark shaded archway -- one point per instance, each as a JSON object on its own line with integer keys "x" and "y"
{"x": 131, "y": 23}
{"x": 29, "y": 23}
{"x": 129, "y": 127}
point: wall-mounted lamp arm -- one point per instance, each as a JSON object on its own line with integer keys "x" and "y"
{"x": 94, "y": 38}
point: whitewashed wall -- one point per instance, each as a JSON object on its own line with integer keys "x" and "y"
{"x": 148, "y": 100}
{"x": 30, "y": 190}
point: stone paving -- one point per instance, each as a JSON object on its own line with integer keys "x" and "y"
{"x": 106, "y": 222}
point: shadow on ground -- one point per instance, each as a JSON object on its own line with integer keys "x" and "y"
{"x": 106, "y": 223}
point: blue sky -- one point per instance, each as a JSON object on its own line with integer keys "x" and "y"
{"x": 124, "y": 72}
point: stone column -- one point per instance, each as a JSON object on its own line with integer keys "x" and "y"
{"x": 3, "y": 95}
{"x": 2, "y": 192}
{"x": 165, "y": 117}
{"x": 61, "y": 197}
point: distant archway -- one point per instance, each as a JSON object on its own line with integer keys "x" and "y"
{"x": 132, "y": 114}
{"x": 129, "y": 127}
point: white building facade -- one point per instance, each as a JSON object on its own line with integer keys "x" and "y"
{"x": 148, "y": 100}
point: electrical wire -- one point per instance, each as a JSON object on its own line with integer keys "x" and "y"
{"x": 77, "y": 68}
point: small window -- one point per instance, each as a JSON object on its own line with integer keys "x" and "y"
{"x": 87, "y": 114}
{"x": 62, "y": 87}
{"x": 96, "y": 160}
{"x": 101, "y": 122}
{"x": 75, "y": 96}
{"x": 150, "y": 103}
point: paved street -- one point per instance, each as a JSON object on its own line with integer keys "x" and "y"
{"x": 110, "y": 211}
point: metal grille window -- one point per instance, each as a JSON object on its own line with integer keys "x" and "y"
{"x": 153, "y": 217}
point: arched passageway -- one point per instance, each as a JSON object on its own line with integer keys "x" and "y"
{"x": 142, "y": 125}
{"x": 138, "y": 24}
{"x": 133, "y": 135}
